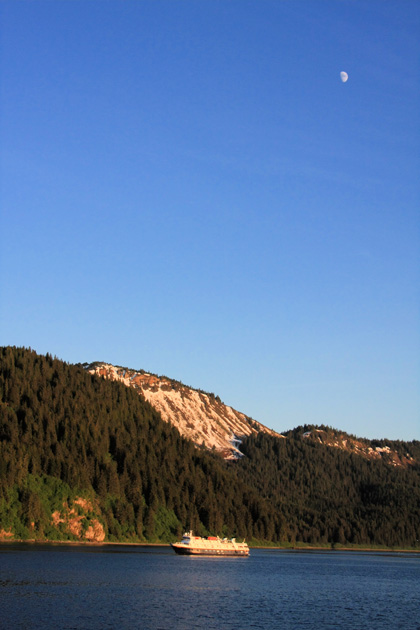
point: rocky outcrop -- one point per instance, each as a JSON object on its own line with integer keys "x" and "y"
{"x": 198, "y": 415}
{"x": 369, "y": 449}
{"x": 79, "y": 521}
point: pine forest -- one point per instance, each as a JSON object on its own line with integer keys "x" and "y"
{"x": 84, "y": 458}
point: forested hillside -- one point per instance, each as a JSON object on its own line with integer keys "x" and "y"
{"x": 72, "y": 442}
{"x": 326, "y": 494}
{"x": 82, "y": 457}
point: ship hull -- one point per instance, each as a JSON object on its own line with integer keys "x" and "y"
{"x": 182, "y": 550}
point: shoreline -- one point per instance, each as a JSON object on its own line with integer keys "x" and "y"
{"x": 328, "y": 549}
{"x": 88, "y": 543}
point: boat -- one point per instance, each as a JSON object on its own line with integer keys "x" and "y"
{"x": 191, "y": 545}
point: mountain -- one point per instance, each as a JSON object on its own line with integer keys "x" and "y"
{"x": 198, "y": 416}
{"x": 86, "y": 457}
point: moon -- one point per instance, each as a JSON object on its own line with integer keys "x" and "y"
{"x": 344, "y": 76}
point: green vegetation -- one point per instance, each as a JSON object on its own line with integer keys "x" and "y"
{"x": 76, "y": 445}
{"x": 92, "y": 437}
{"x": 330, "y": 496}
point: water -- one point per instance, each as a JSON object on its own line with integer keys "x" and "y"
{"x": 118, "y": 587}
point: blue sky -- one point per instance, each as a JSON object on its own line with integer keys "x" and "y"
{"x": 187, "y": 187}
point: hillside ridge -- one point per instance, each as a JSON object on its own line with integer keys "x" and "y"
{"x": 204, "y": 419}
{"x": 391, "y": 452}
{"x": 198, "y": 415}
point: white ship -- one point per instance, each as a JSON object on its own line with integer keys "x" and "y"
{"x": 191, "y": 545}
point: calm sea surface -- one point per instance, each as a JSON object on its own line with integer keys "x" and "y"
{"x": 66, "y": 587}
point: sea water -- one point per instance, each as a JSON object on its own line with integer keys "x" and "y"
{"x": 116, "y": 587}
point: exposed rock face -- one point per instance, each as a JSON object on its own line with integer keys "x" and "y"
{"x": 78, "y": 522}
{"x": 95, "y": 532}
{"x": 199, "y": 416}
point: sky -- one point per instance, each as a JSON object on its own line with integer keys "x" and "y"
{"x": 188, "y": 188}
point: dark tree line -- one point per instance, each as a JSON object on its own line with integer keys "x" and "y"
{"x": 67, "y": 433}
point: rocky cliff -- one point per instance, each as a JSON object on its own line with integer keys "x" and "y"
{"x": 198, "y": 415}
